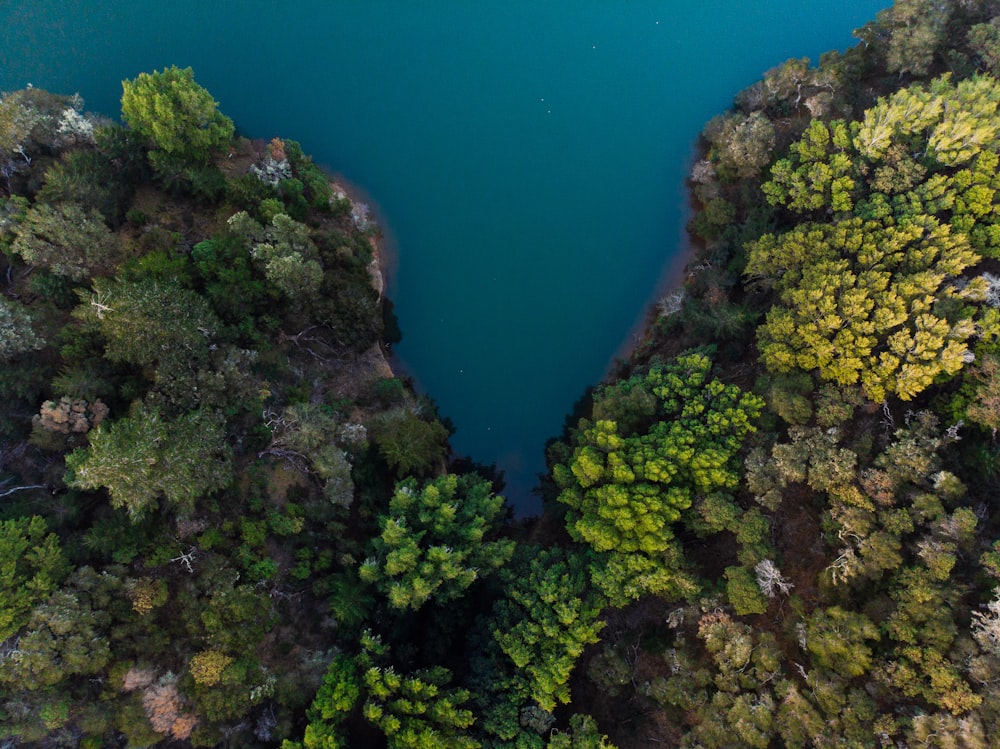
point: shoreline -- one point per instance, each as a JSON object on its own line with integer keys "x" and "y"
{"x": 342, "y": 189}
{"x": 673, "y": 275}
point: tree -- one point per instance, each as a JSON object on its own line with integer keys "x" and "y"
{"x": 67, "y": 241}
{"x": 417, "y": 711}
{"x": 916, "y": 28}
{"x": 150, "y": 324}
{"x": 743, "y": 592}
{"x": 207, "y": 666}
{"x": 410, "y": 444}
{"x": 435, "y": 540}
{"x": 91, "y": 179}
{"x": 626, "y": 489}
{"x": 866, "y": 302}
{"x": 311, "y": 433}
{"x": 549, "y": 615}
{"x": 284, "y": 249}
{"x": 984, "y": 39}
{"x": 583, "y": 733}
{"x": 33, "y": 119}
{"x": 179, "y": 117}
{"x": 17, "y": 336}
{"x": 413, "y": 711}
{"x": 143, "y": 456}
{"x": 984, "y": 407}
{"x": 31, "y": 566}
{"x": 836, "y": 639}
{"x": 64, "y": 637}
{"x": 741, "y": 145}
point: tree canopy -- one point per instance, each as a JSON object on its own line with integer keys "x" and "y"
{"x": 626, "y": 488}
{"x": 179, "y": 117}
{"x": 899, "y": 205}
{"x": 436, "y": 540}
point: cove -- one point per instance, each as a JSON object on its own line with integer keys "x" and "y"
{"x": 527, "y": 159}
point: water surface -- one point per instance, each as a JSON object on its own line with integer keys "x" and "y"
{"x": 527, "y": 158}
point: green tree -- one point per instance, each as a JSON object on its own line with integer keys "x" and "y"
{"x": 67, "y": 241}
{"x": 410, "y": 445}
{"x": 436, "y": 540}
{"x": 417, "y": 711}
{"x": 836, "y": 639}
{"x": 413, "y": 711}
{"x": 916, "y": 30}
{"x": 17, "y": 336}
{"x": 143, "y": 456}
{"x": 743, "y": 592}
{"x": 150, "y": 324}
{"x": 31, "y": 566}
{"x": 334, "y": 702}
{"x": 583, "y": 733}
{"x": 64, "y": 637}
{"x": 549, "y": 615}
{"x": 284, "y": 249}
{"x": 625, "y": 490}
{"x": 91, "y": 179}
{"x": 178, "y": 116}
{"x": 984, "y": 39}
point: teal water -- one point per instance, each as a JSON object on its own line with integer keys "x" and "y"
{"x": 527, "y": 158}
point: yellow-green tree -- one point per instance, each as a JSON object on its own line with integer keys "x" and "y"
{"x": 867, "y": 302}
{"x": 903, "y": 203}
{"x": 179, "y": 117}
{"x": 625, "y": 489}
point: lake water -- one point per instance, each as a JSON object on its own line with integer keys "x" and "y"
{"x": 525, "y": 158}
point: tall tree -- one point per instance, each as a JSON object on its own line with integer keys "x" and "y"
{"x": 150, "y": 324}
{"x": 436, "y": 540}
{"x": 549, "y": 615}
{"x": 67, "y": 241}
{"x": 626, "y": 489}
{"x": 179, "y": 117}
{"x": 31, "y": 566}
{"x": 143, "y": 457}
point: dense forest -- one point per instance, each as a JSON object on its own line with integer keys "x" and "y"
{"x": 224, "y": 522}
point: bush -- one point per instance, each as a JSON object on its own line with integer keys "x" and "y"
{"x": 246, "y": 193}
{"x": 743, "y": 593}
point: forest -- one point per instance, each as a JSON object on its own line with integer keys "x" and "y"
{"x": 224, "y": 522}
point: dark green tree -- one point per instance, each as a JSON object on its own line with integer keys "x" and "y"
{"x": 67, "y": 240}
{"x": 150, "y": 324}
{"x": 413, "y": 711}
{"x": 410, "y": 444}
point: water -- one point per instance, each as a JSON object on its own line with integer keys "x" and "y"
{"x": 527, "y": 158}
